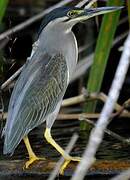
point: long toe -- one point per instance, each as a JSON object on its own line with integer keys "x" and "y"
{"x": 66, "y": 162}
{"x": 31, "y": 161}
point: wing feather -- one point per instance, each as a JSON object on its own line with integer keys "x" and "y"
{"x": 38, "y": 90}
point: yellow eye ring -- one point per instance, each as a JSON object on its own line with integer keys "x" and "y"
{"x": 71, "y": 14}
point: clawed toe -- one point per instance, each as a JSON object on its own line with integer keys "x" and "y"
{"x": 66, "y": 162}
{"x": 31, "y": 161}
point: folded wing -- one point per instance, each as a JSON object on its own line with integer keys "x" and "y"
{"x": 38, "y": 90}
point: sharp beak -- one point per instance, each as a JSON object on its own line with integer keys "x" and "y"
{"x": 101, "y": 10}
{"x": 91, "y": 12}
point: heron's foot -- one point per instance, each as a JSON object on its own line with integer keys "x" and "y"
{"x": 31, "y": 161}
{"x": 67, "y": 161}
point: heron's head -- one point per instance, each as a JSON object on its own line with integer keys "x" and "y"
{"x": 69, "y": 16}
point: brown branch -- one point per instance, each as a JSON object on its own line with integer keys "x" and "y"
{"x": 73, "y": 100}
{"x": 13, "y": 169}
{"x": 90, "y": 97}
{"x": 62, "y": 116}
{"x": 89, "y": 116}
{"x": 103, "y": 97}
{"x": 107, "y": 131}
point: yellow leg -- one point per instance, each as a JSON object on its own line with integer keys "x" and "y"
{"x": 32, "y": 156}
{"x": 66, "y": 156}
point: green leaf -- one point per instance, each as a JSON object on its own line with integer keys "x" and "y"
{"x": 102, "y": 51}
{"x": 3, "y": 5}
{"x": 128, "y": 7}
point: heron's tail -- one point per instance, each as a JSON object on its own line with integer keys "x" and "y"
{"x": 11, "y": 139}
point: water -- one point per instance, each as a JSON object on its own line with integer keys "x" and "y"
{"x": 110, "y": 149}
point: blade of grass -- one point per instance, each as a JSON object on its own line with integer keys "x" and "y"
{"x": 128, "y": 6}
{"x": 103, "y": 47}
{"x": 3, "y": 5}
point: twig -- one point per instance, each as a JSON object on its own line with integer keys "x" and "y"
{"x": 35, "y": 18}
{"x": 86, "y": 62}
{"x": 90, "y": 4}
{"x": 1, "y": 112}
{"x": 80, "y": 4}
{"x": 32, "y": 20}
{"x": 123, "y": 176}
{"x": 62, "y": 116}
{"x": 98, "y": 132}
{"x": 29, "y": 22}
{"x": 9, "y": 81}
{"x": 3, "y": 43}
{"x": 73, "y": 100}
{"x": 89, "y": 97}
{"x": 60, "y": 162}
{"x": 107, "y": 131}
{"x": 90, "y": 116}
{"x": 103, "y": 97}
{"x": 82, "y": 66}
{"x": 120, "y": 37}
{"x": 78, "y": 72}
{"x": 126, "y": 104}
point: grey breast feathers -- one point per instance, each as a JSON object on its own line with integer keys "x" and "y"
{"x": 38, "y": 90}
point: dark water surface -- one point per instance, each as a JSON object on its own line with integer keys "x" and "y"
{"x": 110, "y": 149}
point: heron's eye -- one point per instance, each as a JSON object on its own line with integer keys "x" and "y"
{"x": 72, "y": 14}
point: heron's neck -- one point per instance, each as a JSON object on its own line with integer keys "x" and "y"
{"x": 58, "y": 40}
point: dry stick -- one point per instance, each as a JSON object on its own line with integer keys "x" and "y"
{"x": 3, "y": 43}
{"x": 77, "y": 72}
{"x": 20, "y": 27}
{"x": 97, "y": 133}
{"x": 9, "y": 81}
{"x": 103, "y": 97}
{"x": 90, "y": 4}
{"x": 89, "y": 116}
{"x": 60, "y": 162}
{"x": 86, "y": 115}
{"x": 123, "y": 176}
{"x": 27, "y": 23}
{"x": 90, "y": 57}
{"x": 74, "y": 100}
{"x": 80, "y": 4}
{"x": 83, "y": 98}
{"x": 82, "y": 67}
{"x": 126, "y": 174}
{"x": 35, "y": 18}
{"x": 32, "y": 20}
{"x": 86, "y": 66}
{"x": 107, "y": 131}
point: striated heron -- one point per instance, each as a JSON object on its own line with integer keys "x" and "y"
{"x": 39, "y": 90}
